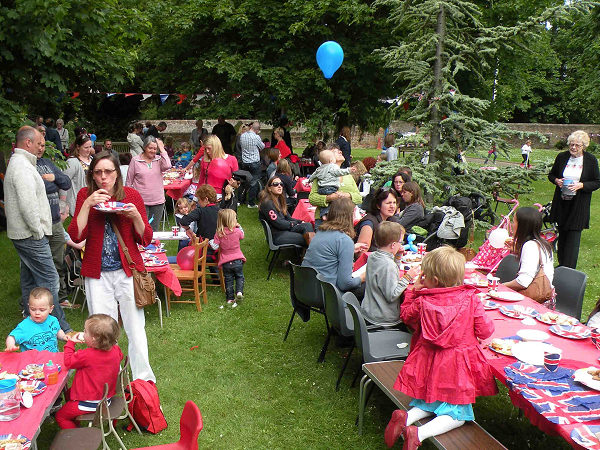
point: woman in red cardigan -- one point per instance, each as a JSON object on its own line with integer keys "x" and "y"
{"x": 108, "y": 280}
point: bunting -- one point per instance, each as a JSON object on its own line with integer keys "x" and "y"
{"x": 163, "y": 98}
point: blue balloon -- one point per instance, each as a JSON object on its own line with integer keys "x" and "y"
{"x": 330, "y": 57}
{"x": 93, "y": 137}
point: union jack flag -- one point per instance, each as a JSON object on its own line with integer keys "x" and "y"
{"x": 555, "y": 395}
{"x": 586, "y": 436}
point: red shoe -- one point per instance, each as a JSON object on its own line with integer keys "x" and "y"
{"x": 411, "y": 438}
{"x": 395, "y": 427}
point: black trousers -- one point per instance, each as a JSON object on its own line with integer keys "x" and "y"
{"x": 568, "y": 247}
{"x": 294, "y": 236}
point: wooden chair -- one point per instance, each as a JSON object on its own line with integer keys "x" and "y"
{"x": 195, "y": 280}
{"x": 212, "y": 276}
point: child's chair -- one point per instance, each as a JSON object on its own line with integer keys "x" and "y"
{"x": 190, "y": 426}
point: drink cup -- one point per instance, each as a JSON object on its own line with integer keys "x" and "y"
{"x": 175, "y": 230}
{"x": 566, "y": 193}
{"x": 493, "y": 283}
{"x": 596, "y": 337}
{"x": 551, "y": 360}
{"x": 421, "y": 248}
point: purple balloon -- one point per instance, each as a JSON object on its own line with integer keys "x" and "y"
{"x": 185, "y": 258}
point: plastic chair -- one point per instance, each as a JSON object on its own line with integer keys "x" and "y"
{"x": 194, "y": 279}
{"x": 74, "y": 278}
{"x": 77, "y": 439}
{"x": 276, "y": 249}
{"x": 570, "y": 287}
{"x": 190, "y": 426}
{"x": 306, "y": 294}
{"x": 339, "y": 318}
{"x": 508, "y": 268}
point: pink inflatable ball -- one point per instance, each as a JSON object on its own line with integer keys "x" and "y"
{"x": 185, "y": 258}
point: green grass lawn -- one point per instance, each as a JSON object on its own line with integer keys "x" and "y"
{"x": 256, "y": 391}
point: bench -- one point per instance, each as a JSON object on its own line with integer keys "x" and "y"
{"x": 384, "y": 374}
{"x": 121, "y": 147}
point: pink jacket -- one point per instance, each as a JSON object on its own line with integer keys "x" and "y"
{"x": 445, "y": 362}
{"x": 148, "y": 181}
{"x": 229, "y": 245}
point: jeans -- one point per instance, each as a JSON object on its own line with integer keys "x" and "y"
{"x": 255, "y": 170}
{"x": 57, "y": 247}
{"x": 37, "y": 270}
{"x": 233, "y": 270}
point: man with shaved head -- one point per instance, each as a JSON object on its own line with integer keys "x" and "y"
{"x": 29, "y": 220}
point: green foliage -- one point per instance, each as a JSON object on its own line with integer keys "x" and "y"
{"x": 560, "y": 144}
{"x": 53, "y": 154}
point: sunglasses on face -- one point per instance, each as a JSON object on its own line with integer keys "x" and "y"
{"x": 277, "y": 183}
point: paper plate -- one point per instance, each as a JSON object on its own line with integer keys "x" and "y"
{"x": 532, "y": 352}
{"x": 36, "y": 387}
{"x": 156, "y": 263}
{"x": 488, "y": 304}
{"x": 110, "y": 207}
{"x": 519, "y": 313}
{"x": 583, "y": 377}
{"x": 528, "y": 334}
{"x": 502, "y": 352}
{"x": 571, "y": 332}
{"x": 585, "y": 435}
{"x": 507, "y": 296}
{"x": 4, "y": 437}
{"x": 544, "y": 318}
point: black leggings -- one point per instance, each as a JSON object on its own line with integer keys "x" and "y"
{"x": 294, "y": 236}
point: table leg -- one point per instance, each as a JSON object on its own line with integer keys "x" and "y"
{"x": 159, "y": 301}
{"x": 166, "y": 302}
{"x": 364, "y": 383}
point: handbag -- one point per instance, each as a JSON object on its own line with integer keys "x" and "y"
{"x": 540, "y": 289}
{"x": 144, "y": 289}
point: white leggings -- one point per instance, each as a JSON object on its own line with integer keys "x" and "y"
{"x": 112, "y": 293}
{"x": 439, "y": 425}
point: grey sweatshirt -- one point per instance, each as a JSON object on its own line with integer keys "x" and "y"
{"x": 383, "y": 289}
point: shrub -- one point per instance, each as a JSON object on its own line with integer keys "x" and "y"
{"x": 560, "y": 144}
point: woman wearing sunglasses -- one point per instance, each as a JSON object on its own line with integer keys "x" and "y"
{"x": 273, "y": 209}
{"x": 108, "y": 276}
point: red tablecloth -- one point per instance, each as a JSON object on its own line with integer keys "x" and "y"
{"x": 30, "y": 419}
{"x": 177, "y": 188}
{"x": 165, "y": 275}
{"x": 300, "y": 187}
{"x": 361, "y": 261}
{"x": 576, "y": 354}
{"x": 305, "y": 211}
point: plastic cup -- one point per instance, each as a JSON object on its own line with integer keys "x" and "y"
{"x": 175, "y": 230}
{"x": 566, "y": 193}
{"x": 493, "y": 283}
{"x": 551, "y": 360}
{"x": 596, "y": 337}
{"x": 421, "y": 248}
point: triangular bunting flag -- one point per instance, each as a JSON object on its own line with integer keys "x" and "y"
{"x": 110, "y": 94}
{"x": 163, "y": 97}
{"x": 75, "y": 95}
{"x": 200, "y": 96}
{"x": 129, "y": 95}
{"x": 181, "y": 98}
{"x": 146, "y": 96}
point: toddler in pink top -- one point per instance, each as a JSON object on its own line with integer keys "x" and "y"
{"x": 445, "y": 370}
{"x": 231, "y": 259}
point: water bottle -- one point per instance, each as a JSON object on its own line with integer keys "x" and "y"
{"x": 10, "y": 400}
{"x": 51, "y": 372}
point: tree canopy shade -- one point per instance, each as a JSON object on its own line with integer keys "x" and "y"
{"x": 49, "y": 47}
{"x": 255, "y": 58}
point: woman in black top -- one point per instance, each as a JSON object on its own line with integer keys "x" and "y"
{"x": 344, "y": 142}
{"x": 273, "y": 209}
{"x": 284, "y": 173}
{"x": 571, "y": 207}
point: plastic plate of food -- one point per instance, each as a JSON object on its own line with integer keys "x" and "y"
{"x": 34, "y": 372}
{"x": 153, "y": 263}
{"x": 507, "y": 296}
{"x": 571, "y": 332}
{"x": 587, "y": 436}
{"x": 502, "y": 346}
{"x": 518, "y": 311}
{"x": 411, "y": 258}
{"x": 553, "y": 318}
{"x": 590, "y": 376}
{"x": 13, "y": 438}
{"x": 476, "y": 282}
{"x": 110, "y": 207}
{"x": 35, "y": 387}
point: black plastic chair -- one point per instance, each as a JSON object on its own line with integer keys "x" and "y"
{"x": 570, "y": 287}
{"x": 306, "y": 294}
{"x": 508, "y": 268}
{"x": 276, "y": 249}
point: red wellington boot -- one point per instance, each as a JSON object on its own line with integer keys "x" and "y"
{"x": 411, "y": 438}
{"x": 395, "y": 427}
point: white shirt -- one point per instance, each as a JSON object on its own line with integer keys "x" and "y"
{"x": 530, "y": 264}
{"x": 573, "y": 169}
{"x": 526, "y": 149}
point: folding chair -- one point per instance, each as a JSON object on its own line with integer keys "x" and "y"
{"x": 104, "y": 416}
{"x": 74, "y": 278}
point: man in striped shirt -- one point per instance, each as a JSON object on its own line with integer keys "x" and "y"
{"x": 251, "y": 145}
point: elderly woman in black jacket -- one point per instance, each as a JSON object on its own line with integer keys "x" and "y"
{"x": 576, "y": 175}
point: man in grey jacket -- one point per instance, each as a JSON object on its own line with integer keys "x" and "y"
{"x": 29, "y": 220}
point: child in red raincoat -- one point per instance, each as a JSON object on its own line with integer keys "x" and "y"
{"x": 446, "y": 369}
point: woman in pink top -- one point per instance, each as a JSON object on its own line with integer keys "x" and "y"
{"x": 145, "y": 176}
{"x": 231, "y": 259}
{"x": 216, "y": 166}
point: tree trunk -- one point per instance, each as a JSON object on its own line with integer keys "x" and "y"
{"x": 437, "y": 74}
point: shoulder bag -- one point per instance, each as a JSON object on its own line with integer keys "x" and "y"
{"x": 144, "y": 289}
{"x": 540, "y": 289}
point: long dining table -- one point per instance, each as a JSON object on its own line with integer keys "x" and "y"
{"x": 553, "y": 401}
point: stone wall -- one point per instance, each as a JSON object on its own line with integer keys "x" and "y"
{"x": 180, "y": 130}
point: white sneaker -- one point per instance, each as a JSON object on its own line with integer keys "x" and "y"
{"x": 239, "y": 297}
{"x": 234, "y": 305}
{"x": 252, "y": 206}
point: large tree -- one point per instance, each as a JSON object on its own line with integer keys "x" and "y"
{"x": 256, "y": 58}
{"x": 50, "y": 47}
